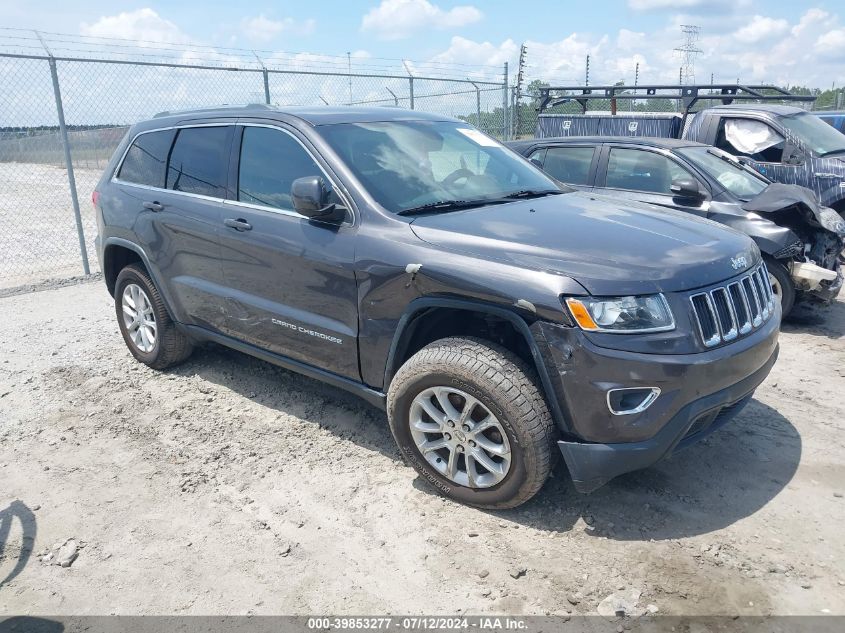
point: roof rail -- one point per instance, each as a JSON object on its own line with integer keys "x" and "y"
{"x": 687, "y": 95}
{"x": 248, "y": 106}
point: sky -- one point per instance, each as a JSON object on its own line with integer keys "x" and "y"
{"x": 787, "y": 42}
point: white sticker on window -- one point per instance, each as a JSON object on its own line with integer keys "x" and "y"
{"x": 478, "y": 137}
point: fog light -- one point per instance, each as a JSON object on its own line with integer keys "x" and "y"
{"x": 631, "y": 400}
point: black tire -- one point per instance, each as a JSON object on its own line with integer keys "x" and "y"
{"x": 171, "y": 346}
{"x": 503, "y": 384}
{"x": 787, "y": 287}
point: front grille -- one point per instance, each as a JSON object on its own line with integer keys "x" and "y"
{"x": 728, "y": 312}
{"x": 796, "y": 249}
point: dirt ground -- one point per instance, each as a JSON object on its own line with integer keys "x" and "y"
{"x": 229, "y": 486}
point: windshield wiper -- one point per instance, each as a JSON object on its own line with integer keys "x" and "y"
{"x": 532, "y": 193}
{"x": 444, "y": 206}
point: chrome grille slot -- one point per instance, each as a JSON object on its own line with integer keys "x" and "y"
{"x": 725, "y": 314}
{"x": 728, "y": 312}
{"x": 706, "y": 315}
{"x": 741, "y": 309}
{"x": 753, "y": 301}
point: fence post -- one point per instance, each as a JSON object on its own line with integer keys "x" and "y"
{"x": 505, "y": 125}
{"x": 266, "y": 85}
{"x": 411, "y": 90}
{"x": 71, "y": 179}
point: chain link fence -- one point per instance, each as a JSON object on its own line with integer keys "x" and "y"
{"x": 46, "y": 235}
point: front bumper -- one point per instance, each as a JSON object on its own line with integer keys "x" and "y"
{"x": 699, "y": 392}
{"x": 828, "y": 290}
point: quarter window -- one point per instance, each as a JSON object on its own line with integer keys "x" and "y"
{"x": 569, "y": 164}
{"x": 639, "y": 170}
{"x": 199, "y": 161}
{"x": 146, "y": 159}
{"x": 270, "y": 161}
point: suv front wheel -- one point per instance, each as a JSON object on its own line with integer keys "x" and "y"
{"x": 144, "y": 322}
{"x": 469, "y": 418}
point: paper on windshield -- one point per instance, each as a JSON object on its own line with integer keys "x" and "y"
{"x": 478, "y": 137}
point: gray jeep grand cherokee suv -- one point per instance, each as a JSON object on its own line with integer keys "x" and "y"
{"x": 416, "y": 262}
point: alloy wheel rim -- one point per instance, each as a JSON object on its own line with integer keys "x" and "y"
{"x": 459, "y": 437}
{"x": 139, "y": 318}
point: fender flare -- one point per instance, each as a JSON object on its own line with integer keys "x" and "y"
{"x": 151, "y": 270}
{"x": 421, "y": 304}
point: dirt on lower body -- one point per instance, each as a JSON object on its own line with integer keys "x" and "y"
{"x": 230, "y": 486}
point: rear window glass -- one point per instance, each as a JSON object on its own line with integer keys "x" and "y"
{"x": 146, "y": 159}
{"x": 569, "y": 164}
{"x": 199, "y": 161}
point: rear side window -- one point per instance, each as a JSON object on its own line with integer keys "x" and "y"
{"x": 270, "y": 161}
{"x": 639, "y": 170}
{"x": 569, "y": 164}
{"x": 146, "y": 160}
{"x": 199, "y": 161}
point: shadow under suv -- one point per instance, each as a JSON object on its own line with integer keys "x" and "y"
{"x": 409, "y": 258}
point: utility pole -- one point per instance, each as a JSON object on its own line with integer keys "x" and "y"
{"x": 688, "y": 50}
{"x": 520, "y": 74}
{"x": 587, "y": 72}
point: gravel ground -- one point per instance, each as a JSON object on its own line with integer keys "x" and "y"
{"x": 229, "y": 486}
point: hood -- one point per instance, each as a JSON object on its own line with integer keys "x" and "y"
{"x": 609, "y": 247}
{"x": 779, "y": 197}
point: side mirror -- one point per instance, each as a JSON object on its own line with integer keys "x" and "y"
{"x": 686, "y": 188}
{"x": 792, "y": 155}
{"x": 536, "y": 163}
{"x": 311, "y": 199}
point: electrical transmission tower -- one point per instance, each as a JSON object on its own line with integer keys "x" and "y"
{"x": 520, "y": 77}
{"x": 688, "y": 50}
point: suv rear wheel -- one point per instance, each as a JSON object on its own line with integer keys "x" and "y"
{"x": 468, "y": 416}
{"x": 144, "y": 322}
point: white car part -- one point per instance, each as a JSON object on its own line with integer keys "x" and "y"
{"x": 809, "y": 276}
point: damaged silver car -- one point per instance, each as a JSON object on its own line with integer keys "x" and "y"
{"x": 801, "y": 241}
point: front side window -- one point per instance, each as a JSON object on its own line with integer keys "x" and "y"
{"x": 639, "y": 170}
{"x": 739, "y": 180}
{"x": 199, "y": 161}
{"x": 748, "y": 137}
{"x": 569, "y": 164}
{"x": 270, "y": 161}
{"x": 146, "y": 160}
{"x": 407, "y": 164}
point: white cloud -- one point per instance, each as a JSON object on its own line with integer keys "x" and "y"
{"x": 761, "y": 28}
{"x": 831, "y": 44}
{"x": 753, "y": 48}
{"x": 656, "y": 5}
{"x": 263, "y": 29}
{"x": 144, "y": 25}
{"x": 397, "y": 19}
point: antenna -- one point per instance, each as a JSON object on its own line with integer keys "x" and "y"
{"x": 688, "y": 50}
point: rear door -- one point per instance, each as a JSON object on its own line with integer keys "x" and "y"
{"x": 573, "y": 165}
{"x": 176, "y": 178}
{"x": 645, "y": 175}
{"x": 291, "y": 283}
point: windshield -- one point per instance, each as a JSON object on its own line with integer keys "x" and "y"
{"x": 738, "y": 180}
{"x": 815, "y": 134}
{"x": 408, "y": 164}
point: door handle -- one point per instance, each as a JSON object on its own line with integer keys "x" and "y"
{"x": 153, "y": 206}
{"x": 239, "y": 225}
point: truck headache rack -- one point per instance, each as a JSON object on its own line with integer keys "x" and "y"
{"x": 686, "y": 95}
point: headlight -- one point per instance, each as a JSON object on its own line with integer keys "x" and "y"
{"x": 622, "y": 315}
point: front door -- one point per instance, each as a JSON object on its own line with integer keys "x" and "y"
{"x": 646, "y": 176}
{"x": 291, "y": 283}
